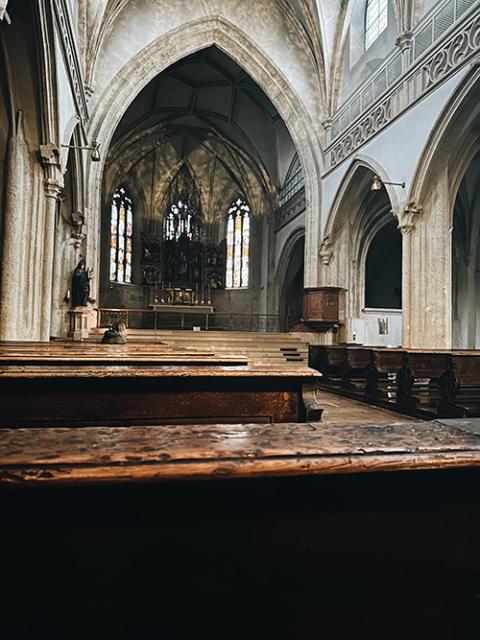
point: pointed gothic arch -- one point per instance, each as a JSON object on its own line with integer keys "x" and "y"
{"x": 449, "y": 151}
{"x": 162, "y": 53}
{"x": 350, "y": 243}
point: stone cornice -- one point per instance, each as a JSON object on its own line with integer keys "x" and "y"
{"x": 459, "y": 48}
{"x": 70, "y": 56}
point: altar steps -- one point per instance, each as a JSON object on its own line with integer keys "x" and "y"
{"x": 289, "y": 349}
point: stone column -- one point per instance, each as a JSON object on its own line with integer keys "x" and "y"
{"x": 427, "y": 273}
{"x": 53, "y": 185}
{"x": 15, "y": 228}
{"x": 312, "y": 227}
{"x": 404, "y": 43}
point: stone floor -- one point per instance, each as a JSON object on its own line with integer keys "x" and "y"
{"x": 341, "y": 410}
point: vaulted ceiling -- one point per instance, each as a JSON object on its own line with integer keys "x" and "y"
{"x": 206, "y": 112}
{"x": 203, "y": 98}
{"x": 321, "y": 24}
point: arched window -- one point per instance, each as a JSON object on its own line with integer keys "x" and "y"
{"x": 121, "y": 232}
{"x": 376, "y": 20}
{"x": 238, "y": 244}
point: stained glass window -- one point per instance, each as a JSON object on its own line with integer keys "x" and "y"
{"x": 121, "y": 233}
{"x": 238, "y": 244}
{"x": 376, "y": 20}
{"x": 178, "y": 221}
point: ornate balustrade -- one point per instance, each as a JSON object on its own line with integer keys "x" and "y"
{"x": 440, "y": 45}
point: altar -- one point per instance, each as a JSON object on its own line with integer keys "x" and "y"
{"x": 183, "y": 310}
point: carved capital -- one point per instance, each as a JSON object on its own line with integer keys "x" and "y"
{"x": 50, "y": 160}
{"x": 49, "y": 154}
{"x": 77, "y": 238}
{"x": 407, "y": 220}
{"x": 404, "y": 40}
{"x": 326, "y": 251}
{"x": 327, "y": 123}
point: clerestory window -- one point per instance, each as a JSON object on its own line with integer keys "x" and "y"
{"x": 376, "y": 20}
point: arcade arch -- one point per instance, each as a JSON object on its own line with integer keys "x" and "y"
{"x": 360, "y": 229}
{"x": 164, "y": 52}
{"x": 206, "y": 119}
{"x": 440, "y": 249}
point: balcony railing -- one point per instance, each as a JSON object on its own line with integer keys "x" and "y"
{"x": 291, "y": 188}
{"x": 427, "y": 33}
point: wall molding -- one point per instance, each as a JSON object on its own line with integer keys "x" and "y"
{"x": 70, "y": 56}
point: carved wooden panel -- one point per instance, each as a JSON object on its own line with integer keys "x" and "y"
{"x": 324, "y": 304}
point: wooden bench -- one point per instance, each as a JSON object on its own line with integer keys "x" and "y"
{"x": 331, "y": 361}
{"x": 57, "y": 384}
{"x": 355, "y": 369}
{"x": 444, "y": 383}
{"x": 290, "y": 527}
{"x": 459, "y": 385}
{"x": 97, "y": 454}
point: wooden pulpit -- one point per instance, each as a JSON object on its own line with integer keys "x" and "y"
{"x": 324, "y": 307}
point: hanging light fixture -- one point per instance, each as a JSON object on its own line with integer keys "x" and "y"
{"x": 378, "y": 183}
{"x": 94, "y": 149}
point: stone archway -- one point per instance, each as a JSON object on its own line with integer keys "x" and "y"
{"x": 290, "y": 276}
{"x": 428, "y": 281}
{"x": 174, "y": 46}
{"x": 358, "y": 215}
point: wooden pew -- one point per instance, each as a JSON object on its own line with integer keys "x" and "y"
{"x": 331, "y": 361}
{"x": 421, "y": 382}
{"x": 459, "y": 385}
{"x": 353, "y": 368}
{"x": 71, "y": 386}
{"x": 290, "y": 527}
{"x": 99, "y": 454}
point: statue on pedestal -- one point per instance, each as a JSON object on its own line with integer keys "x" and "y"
{"x": 80, "y": 285}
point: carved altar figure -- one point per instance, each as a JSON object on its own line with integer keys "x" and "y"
{"x": 80, "y": 285}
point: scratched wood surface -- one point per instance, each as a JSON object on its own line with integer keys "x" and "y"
{"x": 167, "y": 369}
{"x": 106, "y": 454}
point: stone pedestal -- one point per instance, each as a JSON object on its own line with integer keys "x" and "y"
{"x": 79, "y": 323}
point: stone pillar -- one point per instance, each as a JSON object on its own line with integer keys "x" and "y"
{"x": 427, "y": 272}
{"x": 312, "y": 227}
{"x": 17, "y": 191}
{"x": 53, "y": 184}
{"x": 404, "y": 43}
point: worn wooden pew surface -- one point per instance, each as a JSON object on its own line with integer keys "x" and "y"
{"x": 294, "y": 531}
{"x": 58, "y": 355}
{"x": 78, "y": 385}
{"x": 109, "y": 454}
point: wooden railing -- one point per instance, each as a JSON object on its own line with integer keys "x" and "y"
{"x": 156, "y": 320}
